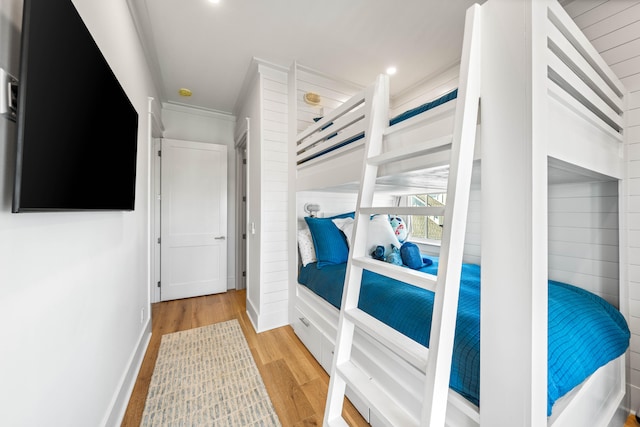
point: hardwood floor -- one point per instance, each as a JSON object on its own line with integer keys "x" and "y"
{"x": 296, "y": 383}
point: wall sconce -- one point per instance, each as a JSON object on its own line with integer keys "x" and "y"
{"x": 312, "y": 98}
{"x": 312, "y": 209}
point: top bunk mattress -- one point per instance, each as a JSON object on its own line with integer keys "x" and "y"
{"x": 584, "y": 331}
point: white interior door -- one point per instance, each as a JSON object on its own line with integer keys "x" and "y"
{"x": 193, "y": 219}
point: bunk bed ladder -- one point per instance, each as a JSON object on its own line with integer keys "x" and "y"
{"x": 435, "y": 361}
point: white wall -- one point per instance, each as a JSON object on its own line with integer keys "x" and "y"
{"x": 251, "y": 108}
{"x": 73, "y": 285}
{"x": 191, "y": 124}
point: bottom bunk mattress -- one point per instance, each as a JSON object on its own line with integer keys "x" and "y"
{"x": 585, "y": 331}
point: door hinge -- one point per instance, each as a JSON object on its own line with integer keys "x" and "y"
{"x": 244, "y": 236}
{"x": 158, "y": 283}
{"x": 244, "y": 274}
{"x": 244, "y": 198}
{"x": 159, "y": 153}
{"x": 244, "y": 161}
{"x": 158, "y": 240}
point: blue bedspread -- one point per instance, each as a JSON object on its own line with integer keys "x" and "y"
{"x": 585, "y": 332}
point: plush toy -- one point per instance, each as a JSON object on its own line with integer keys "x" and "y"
{"x": 378, "y": 253}
{"x": 411, "y": 256}
{"x": 399, "y": 228}
{"x": 394, "y": 257}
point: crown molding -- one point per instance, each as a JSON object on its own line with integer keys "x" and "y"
{"x": 198, "y": 111}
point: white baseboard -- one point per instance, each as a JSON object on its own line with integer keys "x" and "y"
{"x": 267, "y": 321}
{"x": 121, "y": 398}
{"x": 253, "y": 314}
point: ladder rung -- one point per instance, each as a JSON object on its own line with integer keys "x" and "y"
{"x": 405, "y": 210}
{"x": 408, "y": 349}
{"x": 411, "y": 151}
{"x": 379, "y": 401}
{"x": 404, "y": 274}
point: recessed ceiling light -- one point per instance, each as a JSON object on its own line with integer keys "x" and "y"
{"x": 184, "y": 92}
{"x": 392, "y": 70}
{"x": 214, "y": 1}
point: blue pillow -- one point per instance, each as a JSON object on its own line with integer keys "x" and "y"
{"x": 329, "y": 242}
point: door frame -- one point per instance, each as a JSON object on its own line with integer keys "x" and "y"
{"x": 242, "y": 253}
{"x": 156, "y": 132}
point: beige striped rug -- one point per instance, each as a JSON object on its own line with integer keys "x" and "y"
{"x": 207, "y": 377}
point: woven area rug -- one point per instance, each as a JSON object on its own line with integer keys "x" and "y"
{"x": 207, "y": 377}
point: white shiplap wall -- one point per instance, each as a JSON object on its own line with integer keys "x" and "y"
{"x": 333, "y": 93}
{"x": 274, "y": 198}
{"x": 613, "y": 26}
{"x": 583, "y": 237}
{"x": 265, "y": 102}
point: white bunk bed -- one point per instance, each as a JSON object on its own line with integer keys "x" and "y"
{"x": 575, "y": 114}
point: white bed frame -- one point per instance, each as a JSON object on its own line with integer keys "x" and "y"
{"x": 547, "y": 100}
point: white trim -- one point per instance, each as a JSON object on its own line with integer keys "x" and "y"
{"x": 120, "y": 400}
{"x": 198, "y": 111}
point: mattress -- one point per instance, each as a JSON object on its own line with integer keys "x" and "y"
{"x": 585, "y": 332}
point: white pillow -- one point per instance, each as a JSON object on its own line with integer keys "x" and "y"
{"x": 380, "y": 233}
{"x": 346, "y": 226}
{"x": 305, "y": 245}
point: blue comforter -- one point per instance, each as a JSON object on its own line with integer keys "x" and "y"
{"x": 585, "y": 332}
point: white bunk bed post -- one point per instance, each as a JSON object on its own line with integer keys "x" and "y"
{"x": 513, "y": 325}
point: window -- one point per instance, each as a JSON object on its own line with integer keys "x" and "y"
{"x": 426, "y": 227}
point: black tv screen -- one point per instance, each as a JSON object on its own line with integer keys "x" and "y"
{"x": 77, "y": 129}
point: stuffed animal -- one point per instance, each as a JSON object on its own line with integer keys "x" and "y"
{"x": 394, "y": 257}
{"x": 378, "y": 253}
{"x": 411, "y": 256}
{"x": 399, "y": 228}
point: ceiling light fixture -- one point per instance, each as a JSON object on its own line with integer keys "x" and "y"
{"x": 214, "y": 1}
{"x": 392, "y": 70}
{"x": 184, "y": 92}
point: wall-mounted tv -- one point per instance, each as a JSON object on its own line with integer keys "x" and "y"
{"x": 77, "y": 129}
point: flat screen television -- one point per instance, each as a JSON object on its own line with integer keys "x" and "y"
{"x": 77, "y": 129}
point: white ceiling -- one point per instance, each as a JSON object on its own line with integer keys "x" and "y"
{"x": 208, "y": 48}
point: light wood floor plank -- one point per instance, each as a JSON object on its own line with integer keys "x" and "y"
{"x": 296, "y": 383}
